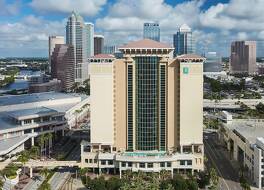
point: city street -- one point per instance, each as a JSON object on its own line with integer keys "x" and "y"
{"x": 229, "y": 179}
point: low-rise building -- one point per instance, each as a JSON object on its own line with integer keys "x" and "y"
{"x": 244, "y": 139}
{"x": 25, "y": 117}
{"x": 52, "y": 85}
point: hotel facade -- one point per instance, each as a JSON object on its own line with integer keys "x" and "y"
{"x": 146, "y": 111}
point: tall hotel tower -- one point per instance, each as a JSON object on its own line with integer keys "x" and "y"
{"x": 146, "y": 111}
{"x": 80, "y": 36}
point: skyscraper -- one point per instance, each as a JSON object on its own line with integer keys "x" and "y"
{"x": 213, "y": 62}
{"x": 147, "y": 111}
{"x": 110, "y": 49}
{"x": 183, "y": 41}
{"x": 151, "y": 31}
{"x": 90, "y": 39}
{"x": 243, "y": 57}
{"x": 80, "y": 35}
{"x": 98, "y": 44}
{"x": 62, "y": 65}
{"x": 53, "y": 40}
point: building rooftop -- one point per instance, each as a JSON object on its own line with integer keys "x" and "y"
{"x": 36, "y": 97}
{"x": 103, "y": 56}
{"x": 33, "y": 112}
{"x": 249, "y": 129}
{"x": 98, "y": 36}
{"x": 191, "y": 58}
{"x": 146, "y": 44}
{"x": 7, "y": 145}
{"x": 185, "y": 28}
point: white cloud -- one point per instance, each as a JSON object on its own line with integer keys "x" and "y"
{"x": 214, "y": 28}
{"x": 237, "y": 15}
{"x": 8, "y": 9}
{"x": 126, "y": 16}
{"x": 84, "y": 7}
{"x": 30, "y": 35}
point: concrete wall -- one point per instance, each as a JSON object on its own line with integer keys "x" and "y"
{"x": 191, "y": 103}
{"x": 101, "y": 82}
{"x": 120, "y": 106}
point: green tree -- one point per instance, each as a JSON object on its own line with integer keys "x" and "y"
{"x": 113, "y": 183}
{"x": 44, "y": 172}
{"x": 45, "y": 186}
{"x": 98, "y": 184}
{"x": 203, "y": 179}
{"x": 260, "y": 108}
{"x": 179, "y": 183}
{"x": 23, "y": 158}
{"x": 165, "y": 174}
{"x": 48, "y": 139}
{"x": 1, "y": 183}
{"x": 34, "y": 152}
{"x": 41, "y": 144}
{"x": 214, "y": 178}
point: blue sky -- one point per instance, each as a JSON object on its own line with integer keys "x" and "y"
{"x": 26, "y": 24}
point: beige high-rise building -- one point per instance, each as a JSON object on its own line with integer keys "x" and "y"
{"x": 146, "y": 111}
{"x": 62, "y": 65}
{"x": 243, "y": 57}
{"x": 53, "y": 40}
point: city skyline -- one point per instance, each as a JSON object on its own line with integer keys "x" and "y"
{"x": 25, "y": 25}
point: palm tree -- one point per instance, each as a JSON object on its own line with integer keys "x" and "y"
{"x": 214, "y": 177}
{"x": 41, "y": 143}
{"x": 1, "y": 183}
{"x": 45, "y": 186}
{"x": 34, "y": 152}
{"x": 165, "y": 174}
{"x": 48, "y": 138}
{"x": 83, "y": 172}
{"x": 44, "y": 172}
{"x": 23, "y": 158}
{"x": 76, "y": 116}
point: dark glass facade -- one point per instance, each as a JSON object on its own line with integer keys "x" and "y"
{"x": 130, "y": 107}
{"x": 162, "y": 108}
{"x": 147, "y": 76}
{"x": 150, "y": 104}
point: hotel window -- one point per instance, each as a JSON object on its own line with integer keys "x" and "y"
{"x": 129, "y": 164}
{"x": 168, "y": 164}
{"x": 142, "y": 165}
{"x": 189, "y": 162}
{"x": 110, "y": 162}
{"x": 162, "y": 164}
{"x": 27, "y": 121}
{"x": 123, "y": 164}
{"x": 45, "y": 119}
{"x": 86, "y": 160}
{"x": 182, "y": 162}
{"x": 103, "y": 162}
{"x": 150, "y": 165}
{"x": 37, "y": 120}
{"x": 90, "y": 160}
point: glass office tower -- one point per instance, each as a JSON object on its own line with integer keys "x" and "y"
{"x": 80, "y": 36}
{"x": 183, "y": 41}
{"x": 151, "y": 31}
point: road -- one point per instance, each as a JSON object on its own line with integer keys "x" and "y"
{"x": 229, "y": 179}
{"x": 59, "y": 178}
{"x": 34, "y": 183}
